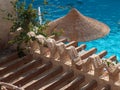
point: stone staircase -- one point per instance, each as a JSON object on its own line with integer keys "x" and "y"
{"x": 33, "y": 74}
{"x": 48, "y": 73}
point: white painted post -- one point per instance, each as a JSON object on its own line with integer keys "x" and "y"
{"x": 40, "y": 16}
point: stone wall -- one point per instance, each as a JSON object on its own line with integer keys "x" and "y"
{"x": 4, "y": 24}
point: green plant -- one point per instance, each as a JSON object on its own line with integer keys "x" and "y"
{"x": 109, "y": 63}
{"x": 25, "y": 21}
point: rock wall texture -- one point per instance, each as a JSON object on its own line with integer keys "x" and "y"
{"x": 4, "y": 24}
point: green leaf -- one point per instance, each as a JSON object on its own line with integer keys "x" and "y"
{"x": 26, "y": 18}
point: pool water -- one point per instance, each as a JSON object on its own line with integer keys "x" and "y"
{"x": 107, "y": 11}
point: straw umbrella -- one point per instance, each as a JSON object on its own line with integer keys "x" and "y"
{"x": 79, "y": 27}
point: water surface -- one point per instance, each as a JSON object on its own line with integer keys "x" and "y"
{"x": 107, "y": 11}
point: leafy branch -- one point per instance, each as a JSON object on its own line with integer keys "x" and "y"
{"x": 25, "y": 21}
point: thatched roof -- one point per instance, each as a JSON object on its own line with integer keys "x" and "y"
{"x": 79, "y": 27}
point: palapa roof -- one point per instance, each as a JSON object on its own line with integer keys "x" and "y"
{"x": 79, "y": 27}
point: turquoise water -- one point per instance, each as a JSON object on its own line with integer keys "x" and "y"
{"x": 107, "y": 11}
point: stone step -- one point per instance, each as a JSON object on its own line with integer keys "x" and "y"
{"x": 22, "y": 70}
{"x": 16, "y": 65}
{"x": 36, "y": 72}
{"x": 74, "y": 83}
{"x": 33, "y": 74}
{"x": 7, "y": 59}
{"x": 64, "y": 77}
{"x": 43, "y": 85}
{"x": 90, "y": 86}
{"x": 35, "y": 84}
{"x": 10, "y": 73}
{"x": 106, "y": 87}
